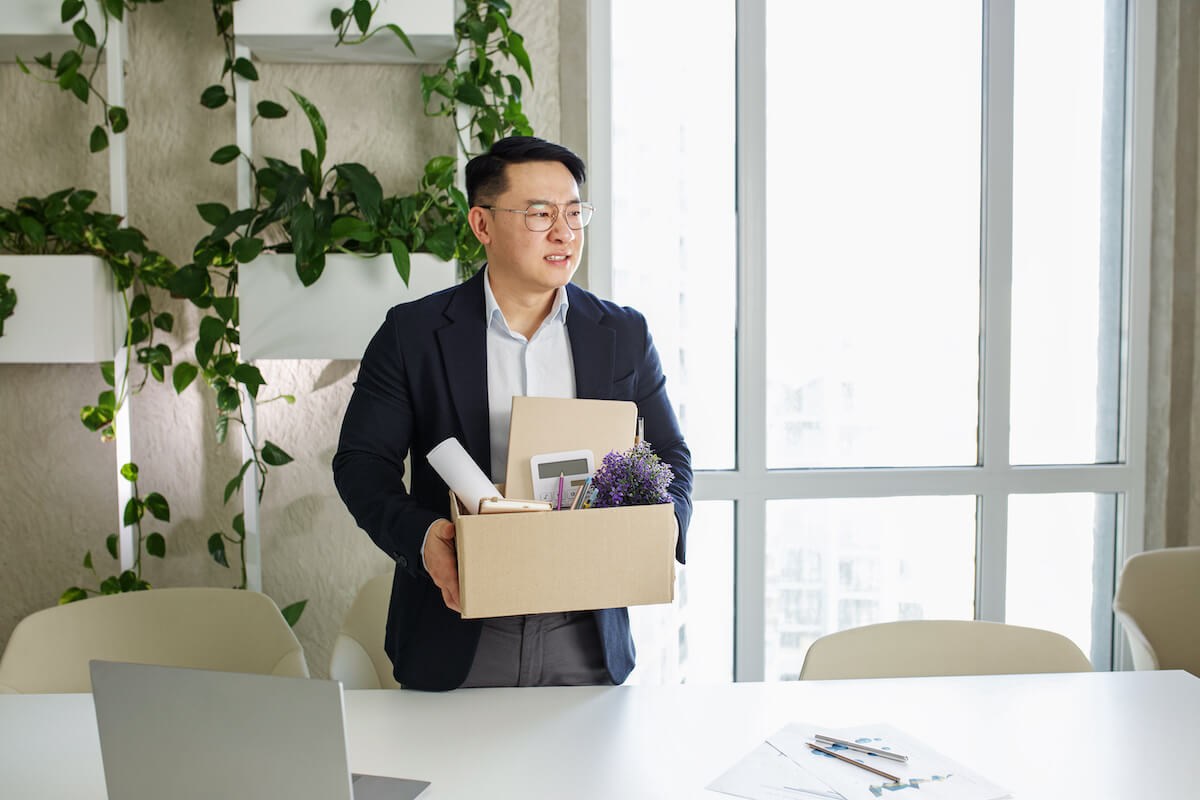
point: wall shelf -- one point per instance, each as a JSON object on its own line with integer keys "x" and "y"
{"x": 66, "y": 311}
{"x": 298, "y": 32}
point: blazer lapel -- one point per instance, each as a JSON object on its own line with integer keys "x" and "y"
{"x": 593, "y": 348}
{"x": 463, "y": 346}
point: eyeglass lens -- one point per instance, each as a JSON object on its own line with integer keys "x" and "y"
{"x": 541, "y": 217}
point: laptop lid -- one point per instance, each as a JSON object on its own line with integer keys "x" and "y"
{"x": 192, "y": 733}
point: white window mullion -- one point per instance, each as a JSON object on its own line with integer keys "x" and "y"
{"x": 750, "y": 547}
{"x": 996, "y": 308}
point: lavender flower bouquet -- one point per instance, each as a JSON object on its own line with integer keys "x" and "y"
{"x": 634, "y": 478}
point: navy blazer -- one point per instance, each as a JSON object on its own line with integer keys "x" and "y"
{"x": 423, "y": 379}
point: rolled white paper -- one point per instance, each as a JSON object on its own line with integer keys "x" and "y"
{"x": 461, "y": 474}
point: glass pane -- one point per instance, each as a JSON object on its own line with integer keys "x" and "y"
{"x": 838, "y": 564}
{"x": 1060, "y": 567}
{"x": 873, "y": 187}
{"x": 1067, "y": 197}
{"x": 674, "y": 215}
{"x": 691, "y": 641}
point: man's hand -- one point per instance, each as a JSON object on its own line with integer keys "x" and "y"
{"x": 441, "y": 560}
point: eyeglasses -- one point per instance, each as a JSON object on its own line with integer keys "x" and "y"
{"x": 542, "y": 216}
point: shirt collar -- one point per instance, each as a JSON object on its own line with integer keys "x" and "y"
{"x": 494, "y": 314}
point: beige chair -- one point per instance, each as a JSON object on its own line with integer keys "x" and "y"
{"x": 358, "y": 659}
{"x": 207, "y": 628}
{"x": 1158, "y": 602}
{"x": 940, "y": 647}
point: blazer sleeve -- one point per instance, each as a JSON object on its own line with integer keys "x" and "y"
{"x": 663, "y": 433}
{"x": 368, "y": 468}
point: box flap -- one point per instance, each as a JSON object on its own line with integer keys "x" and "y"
{"x": 552, "y": 425}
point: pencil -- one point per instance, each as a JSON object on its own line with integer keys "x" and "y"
{"x": 859, "y": 764}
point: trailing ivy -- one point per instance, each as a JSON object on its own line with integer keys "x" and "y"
{"x": 75, "y": 70}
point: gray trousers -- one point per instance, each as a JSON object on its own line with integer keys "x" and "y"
{"x": 539, "y": 650}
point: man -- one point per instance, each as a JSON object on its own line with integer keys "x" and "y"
{"x": 449, "y": 364}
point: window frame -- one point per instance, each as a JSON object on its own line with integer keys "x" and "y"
{"x": 750, "y": 484}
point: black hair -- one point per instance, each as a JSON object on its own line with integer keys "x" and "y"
{"x": 486, "y": 177}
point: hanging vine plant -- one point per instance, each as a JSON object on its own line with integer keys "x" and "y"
{"x": 76, "y": 69}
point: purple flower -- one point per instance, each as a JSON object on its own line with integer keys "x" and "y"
{"x": 634, "y": 478}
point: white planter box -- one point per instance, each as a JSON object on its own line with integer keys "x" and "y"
{"x": 67, "y": 311}
{"x": 31, "y": 28}
{"x": 336, "y": 316}
{"x": 298, "y": 31}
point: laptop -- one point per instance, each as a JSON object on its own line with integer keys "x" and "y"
{"x": 193, "y": 733}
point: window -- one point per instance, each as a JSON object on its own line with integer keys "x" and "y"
{"x": 895, "y": 259}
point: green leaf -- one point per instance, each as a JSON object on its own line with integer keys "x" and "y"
{"x": 116, "y": 8}
{"x": 129, "y": 581}
{"x": 213, "y": 213}
{"x": 135, "y": 509}
{"x": 33, "y": 229}
{"x": 87, "y": 560}
{"x": 227, "y": 399}
{"x": 157, "y": 505}
{"x": 365, "y": 187}
{"x": 156, "y": 545}
{"x": 460, "y": 200}
{"x": 110, "y": 585}
{"x": 274, "y": 455}
{"x": 139, "y": 331}
{"x": 233, "y": 484}
{"x": 118, "y": 118}
{"x": 232, "y": 223}
{"x": 250, "y": 376}
{"x": 362, "y": 14}
{"x": 95, "y": 419}
{"x": 223, "y": 155}
{"x": 46, "y": 60}
{"x": 129, "y": 472}
{"x": 110, "y": 544}
{"x": 164, "y": 322}
{"x": 108, "y": 402}
{"x": 438, "y": 166}
{"x": 214, "y": 96}
{"x": 183, "y": 375}
{"x": 98, "y": 140}
{"x": 69, "y": 62}
{"x": 470, "y": 94}
{"x": 21, "y": 64}
{"x": 84, "y": 33}
{"x": 239, "y": 525}
{"x": 247, "y": 249}
{"x": 243, "y": 67}
{"x": 70, "y": 8}
{"x": 351, "y": 228}
{"x": 140, "y": 305}
{"x": 302, "y": 230}
{"x": 403, "y": 37}
{"x": 270, "y": 110}
{"x": 72, "y": 595}
{"x": 227, "y": 307}
{"x": 292, "y": 613}
{"x": 221, "y": 428}
{"x": 316, "y": 121}
{"x": 516, "y": 49}
{"x": 336, "y": 17}
{"x": 190, "y": 282}
{"x": 400, "y": 259}
{"x": 310, "y": 271}
{"x": 106, "y": 372}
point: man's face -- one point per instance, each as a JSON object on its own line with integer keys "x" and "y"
{"x": 532, "y": 261}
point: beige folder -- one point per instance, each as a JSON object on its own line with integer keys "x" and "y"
{"x": 553, "y": 425}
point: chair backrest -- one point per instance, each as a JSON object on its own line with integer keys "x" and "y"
{"x": 358, "y": 659}
{"x": 207, "y": 628}
{"x": 940, "y": 647}
{"x": 1157, "y": 602}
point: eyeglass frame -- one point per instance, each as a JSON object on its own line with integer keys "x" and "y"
{"x": 526, "y": 212}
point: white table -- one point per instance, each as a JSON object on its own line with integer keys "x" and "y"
{"x": 1092, "y": 735}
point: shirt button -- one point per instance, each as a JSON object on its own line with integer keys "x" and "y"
{"x": 401, "y": 560}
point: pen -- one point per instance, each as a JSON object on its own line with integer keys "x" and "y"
{"x": 862, "y": 748}
{"x": 558, "y": 507}
{"x": 858, "y": 764}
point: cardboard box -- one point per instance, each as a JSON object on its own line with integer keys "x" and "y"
{"x": 543, "y": 561}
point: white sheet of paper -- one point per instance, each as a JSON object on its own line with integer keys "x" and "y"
{"x": 767, "y": 774}
{"x": 928, "y": 773}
